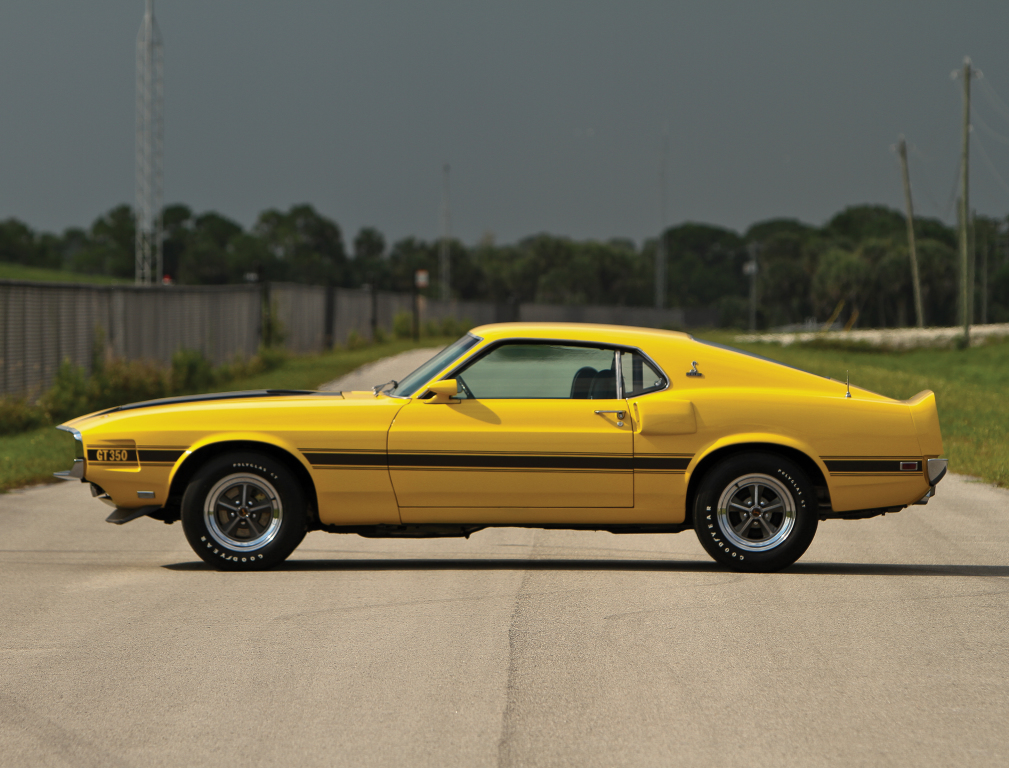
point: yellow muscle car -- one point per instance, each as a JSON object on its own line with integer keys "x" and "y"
{"x": 545, "y": 425}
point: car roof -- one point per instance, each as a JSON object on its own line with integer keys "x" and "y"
{"x": 606, "y": 334}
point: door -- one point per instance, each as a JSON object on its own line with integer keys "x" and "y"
{"x": 536, "y": 425}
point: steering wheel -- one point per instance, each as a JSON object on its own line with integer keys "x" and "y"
{"x": 465, "y": 389}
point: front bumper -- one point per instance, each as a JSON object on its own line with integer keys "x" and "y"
{"x": 76, "y": 472}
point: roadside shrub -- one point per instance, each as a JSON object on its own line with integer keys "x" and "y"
{"x": 238, "y": 367}
{"x": 432, "y": 328}
{"x": 126, "y": 382}
{"x": 451, "y": 326}
{"x": 271, "y": 358}
{"x": 273, "y": 330}
{"x": 379, "y": 336}
{"x": 18, "y": 415}
{"x": 191, "y": 371}
{"x": 356, "y": 340}
{"x": 68, "y": 397}
{"x": 402, "y": 325}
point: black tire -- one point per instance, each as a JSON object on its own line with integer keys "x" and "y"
{"x": 244, "y": 512}
{"x": 756, "y": 512}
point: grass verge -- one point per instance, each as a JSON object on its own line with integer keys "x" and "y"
{"x": 32, "y": 457}
{"x": 969, "y": 385}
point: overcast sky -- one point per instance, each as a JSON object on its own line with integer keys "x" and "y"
{"x": 551, "y": 114}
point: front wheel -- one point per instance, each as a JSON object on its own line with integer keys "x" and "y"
{"x": 756, "y": 512}
{"x": 244, "y": 512}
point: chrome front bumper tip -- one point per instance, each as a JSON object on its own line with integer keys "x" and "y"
{"x": 76, "y": 472}
{"x": 924, "y": 499}
{"x": 937, "y": 470}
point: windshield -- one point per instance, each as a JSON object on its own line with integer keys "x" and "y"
{"x": 443, "y": 359}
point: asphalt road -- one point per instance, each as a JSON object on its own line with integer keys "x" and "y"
{"x": 885, "y": 645}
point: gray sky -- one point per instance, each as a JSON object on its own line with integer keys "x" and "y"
{"x": 550, "y": 113}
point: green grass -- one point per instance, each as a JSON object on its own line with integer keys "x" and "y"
{"x": 32, "y": 457}
{"x": 9, "y": 271}
{"x": 970, "y": 387}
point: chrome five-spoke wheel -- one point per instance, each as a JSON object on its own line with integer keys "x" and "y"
{"x": 243, "y": 512}
{"x": 756, "y": 512}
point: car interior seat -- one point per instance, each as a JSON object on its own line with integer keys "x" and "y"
{"x": 581, "y": 384}
{"x": 604, "y": 386}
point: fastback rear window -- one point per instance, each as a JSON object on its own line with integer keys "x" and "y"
{"x": 758, "y": 357}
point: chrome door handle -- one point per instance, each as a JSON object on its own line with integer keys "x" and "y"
{"x": 620, "y": 414}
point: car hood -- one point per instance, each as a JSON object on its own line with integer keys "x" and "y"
{"x": 249, "y": 393}
{"x": 166, "y": 403}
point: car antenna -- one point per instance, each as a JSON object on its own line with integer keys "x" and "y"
{"x": 847, "y": 386}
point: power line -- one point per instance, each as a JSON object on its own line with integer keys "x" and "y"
{"x": 993, "y": 98}
{"x": 902, "y": 150}
{"x": 991, "y": 165}
{"x": 992, "y": 132}
{"x": 948, "y": 210}
{"x": 942, "y": 211}
{"x": 968, "y": 74}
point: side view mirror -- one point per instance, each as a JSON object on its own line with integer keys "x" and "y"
{"x": 444, "y": 392}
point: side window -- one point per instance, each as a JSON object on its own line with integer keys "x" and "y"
{"x": 640, "y": 376}
{"x": 541, "y": 371}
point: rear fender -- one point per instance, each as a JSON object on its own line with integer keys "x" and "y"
{"x": 925, "y": 416}
{"x": 762, "y": 438}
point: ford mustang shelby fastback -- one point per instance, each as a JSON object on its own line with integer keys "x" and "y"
{"x": 544, "y": 425}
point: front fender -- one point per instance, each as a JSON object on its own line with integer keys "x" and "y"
{"x": 237, "y": 437}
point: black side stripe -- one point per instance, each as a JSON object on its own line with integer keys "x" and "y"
{"x": 476, "y": 461}
{"x": 151, "y": 456}
{"x": 347, "y": 459}
{"x": 662, "y": 462}
{"x": 472, "y": 461}
{"x": 873, "y": 465}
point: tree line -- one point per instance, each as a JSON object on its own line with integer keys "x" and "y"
{"x": 858, "y": 262}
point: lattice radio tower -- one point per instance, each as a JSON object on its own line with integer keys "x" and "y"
{"x": 150, "y": 132}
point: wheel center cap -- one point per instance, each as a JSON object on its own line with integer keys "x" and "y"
{"x": 243, "y": 512}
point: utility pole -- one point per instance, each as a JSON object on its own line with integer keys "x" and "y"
{"x": 919, "y": 311}
{"x": 972, "y": 265}
{"x": 750, "y": 268}
{"x": 984, "y": 279}
{"x": 444, "y": 262}
{"x": 965, "y": 313}
{"x": 149, "y": 267}
{"x": 660, "y": 251}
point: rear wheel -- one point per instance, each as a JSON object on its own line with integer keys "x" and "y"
{"x": 756, "y": 512}
{"x": 244, "y": 511}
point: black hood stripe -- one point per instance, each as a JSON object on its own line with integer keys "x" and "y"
{"x": 248, "y": 394}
